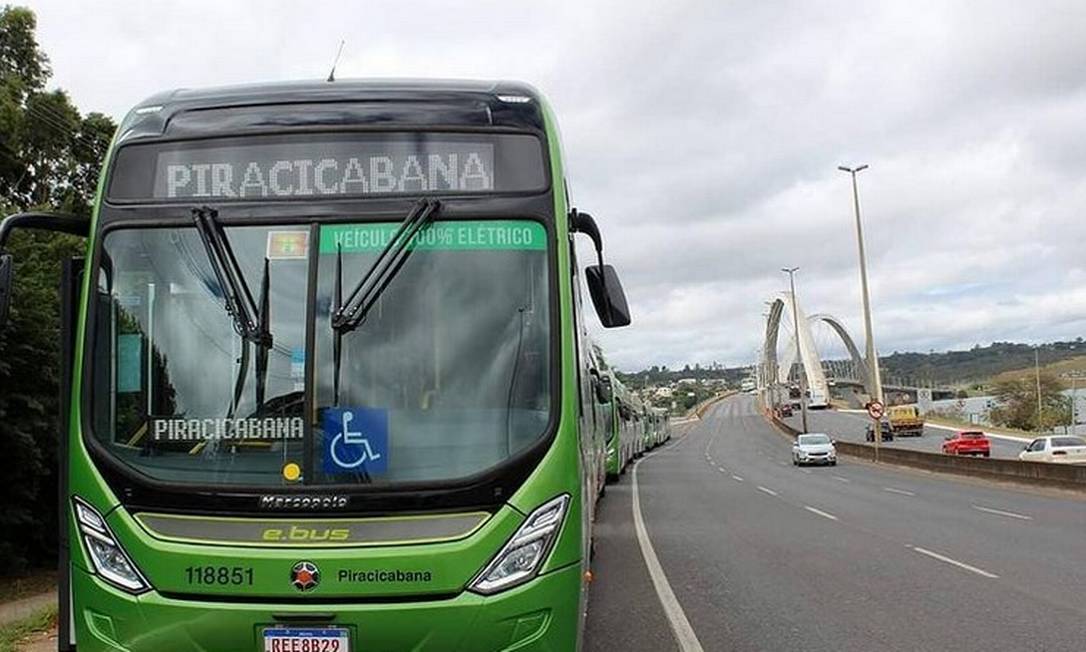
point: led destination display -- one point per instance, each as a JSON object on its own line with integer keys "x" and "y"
{"x": 328, "y": 166}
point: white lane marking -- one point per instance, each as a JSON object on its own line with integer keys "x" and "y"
{"x": 737, "y": 478}
{"x": 993, "y": 435}
{"x": 820, "y": 512}
{"x": 1000, "y": 512}
{"x": 898, "y": 491}
{"x": 807, "y": 471}
{"x": 680, "y": 626}
{"x": 840, "y": 479}
{"x": 721, "y": 469}
{"x": 782, "y": 463}
{"x": 954, "y": 562}
{"x": 767, "y": 490}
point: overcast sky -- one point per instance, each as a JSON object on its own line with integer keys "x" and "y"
{"x": 705, "y": 136}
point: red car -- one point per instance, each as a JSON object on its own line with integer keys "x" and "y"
{"x": 967, "y": 442}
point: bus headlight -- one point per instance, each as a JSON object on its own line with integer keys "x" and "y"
{"x": 110, "y": 561}
{"x": 520, "y": 559}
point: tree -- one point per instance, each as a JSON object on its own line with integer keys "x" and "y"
{"x": 50, "y": 158}
{"x": 1016, "y": 404}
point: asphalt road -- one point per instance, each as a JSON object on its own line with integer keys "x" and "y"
{"x": 761, "y": 555}
{"x": 851, "y": 426}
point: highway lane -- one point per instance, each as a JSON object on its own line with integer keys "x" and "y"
{"x": 765, "y": 556}
{"x": 851, "y": 426}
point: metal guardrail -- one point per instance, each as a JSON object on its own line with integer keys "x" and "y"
{"x": 1063, "y": 476}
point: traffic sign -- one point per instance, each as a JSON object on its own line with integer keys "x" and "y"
{"x": 876, "y": 410}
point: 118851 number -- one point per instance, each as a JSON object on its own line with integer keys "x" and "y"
{"x": 220, "y": 575}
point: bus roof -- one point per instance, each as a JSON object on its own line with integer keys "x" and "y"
{"x": 390, "y": 102}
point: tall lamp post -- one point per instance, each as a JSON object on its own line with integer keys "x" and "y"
{"x": 872, "y": 358}
{"x": 791, "y": 272}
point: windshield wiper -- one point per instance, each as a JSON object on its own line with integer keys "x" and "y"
{"x": 252, "y": 321}
{"x": 349, "y": 315}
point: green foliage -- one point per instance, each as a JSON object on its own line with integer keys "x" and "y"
{"x": 1016, "y": 404}
{"x": 50, "y": 158}
{"x": 29, "y": 371}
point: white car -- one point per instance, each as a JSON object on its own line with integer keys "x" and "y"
{"x": 814, "y": 448}
{"x": 1059, "y": 449}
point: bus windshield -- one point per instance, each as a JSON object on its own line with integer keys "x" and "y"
{"x": 448, "y": 376}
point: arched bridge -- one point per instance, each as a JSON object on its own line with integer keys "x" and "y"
{"x": 802, "y": 346}
{"x": 777, "y": 368}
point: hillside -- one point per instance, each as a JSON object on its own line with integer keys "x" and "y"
{"x": 979, "y": 364}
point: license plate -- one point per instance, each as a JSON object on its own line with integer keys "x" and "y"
{"x": 329, "y": 639}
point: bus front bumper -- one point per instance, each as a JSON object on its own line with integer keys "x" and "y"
{"x": 541, "y": 615}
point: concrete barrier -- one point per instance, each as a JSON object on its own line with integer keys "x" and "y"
{"x": 1065, "y": 476}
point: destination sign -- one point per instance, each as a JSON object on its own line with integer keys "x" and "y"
{"x": 324, "y": 169}
{"x": 317, "y": 166}
{"x": 253, "y": 428}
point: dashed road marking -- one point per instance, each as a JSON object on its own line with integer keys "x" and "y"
{"x": 1000, "y": 512}
{"x": 954, "y": 562}
{"x": 898, "y": 491}
{"x": 680, "y": 626}
{"x": 820, "y": 512}
{"x": 840, "y": 479}
{"x": 767, "y": 490}
{"x": 737, "y": 478}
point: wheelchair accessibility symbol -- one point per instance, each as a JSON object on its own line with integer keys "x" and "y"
{"x": 355, "y": 439}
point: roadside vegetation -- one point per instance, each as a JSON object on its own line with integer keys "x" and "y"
{"x": 12, "y": 634}
{"x": 1017, "y": 404}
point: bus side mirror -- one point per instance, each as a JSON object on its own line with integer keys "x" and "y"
{"x": 604, "y": 391}
{"x": 6, "y": 266}
{"x": 57, "y": 222}
{"x": 607, "y": 295}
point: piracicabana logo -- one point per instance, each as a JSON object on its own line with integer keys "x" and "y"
{"x": 305, "y": 576}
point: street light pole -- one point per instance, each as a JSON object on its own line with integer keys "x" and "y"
{"x": 872, "y": 357}
{"x": 1074, "y": 420}
{"x": 1037, "y": 372}
{"x": 791, "y": 271}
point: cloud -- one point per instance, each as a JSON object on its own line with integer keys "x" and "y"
{"x": 704, "y": 137}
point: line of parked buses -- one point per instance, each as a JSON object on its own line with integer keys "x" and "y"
{"x": 633, "y": 427}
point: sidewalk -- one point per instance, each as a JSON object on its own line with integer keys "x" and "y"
{"x": 26, "y": 607}
{"x": 40, "y": 642}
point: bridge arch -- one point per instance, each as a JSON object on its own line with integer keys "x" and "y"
{"x": 804, "y": 348}
{"x": 777, "y": 368}
{"x": 853, "y": 351}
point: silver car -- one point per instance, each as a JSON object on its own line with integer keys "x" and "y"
{"x": 814, "y": 448}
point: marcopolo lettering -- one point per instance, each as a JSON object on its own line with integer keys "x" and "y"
{"x": 303, "y": 501}
{"x": 260, "y": 428}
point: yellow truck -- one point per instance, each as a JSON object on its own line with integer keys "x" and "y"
{"x": 905, "y": 421}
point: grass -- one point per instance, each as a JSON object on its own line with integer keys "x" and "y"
{"x": 1057, "y": 369}
{"x": 15, "y": 588}
{"x": 14, "y": 633}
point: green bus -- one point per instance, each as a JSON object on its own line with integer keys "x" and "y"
{"x": 622, "y": 442}
{"x": 328, "y": 380}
